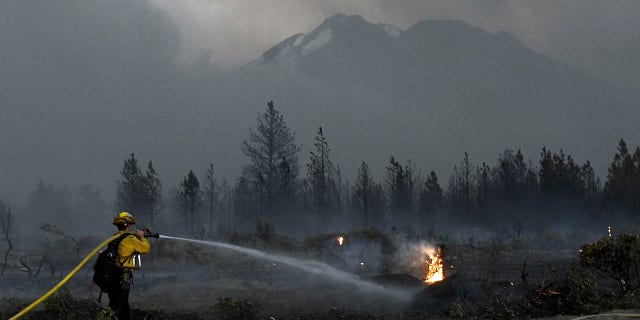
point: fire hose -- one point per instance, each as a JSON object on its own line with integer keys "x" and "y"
{"x": 71, "y": 274}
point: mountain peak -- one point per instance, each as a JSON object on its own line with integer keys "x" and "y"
{"x": 339, "y": 27}
{"x": 340, "y": 18}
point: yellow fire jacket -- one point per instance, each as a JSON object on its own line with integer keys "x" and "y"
{"x": 130, "y": 246}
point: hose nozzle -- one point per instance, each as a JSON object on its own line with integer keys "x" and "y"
{"x": 151, "y": 235}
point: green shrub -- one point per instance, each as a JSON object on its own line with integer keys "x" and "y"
{"x": 58, "y": 306}
{"x": 460, "y": 309}
{"x": 583, "y": 295}
{"x": 500, "y": 307}
{"x": 616, "y": 257}
{"x": 106, "y": 314}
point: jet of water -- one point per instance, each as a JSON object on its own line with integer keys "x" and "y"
{"x": 314, "y": 267}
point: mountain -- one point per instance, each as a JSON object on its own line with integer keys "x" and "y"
{"x": 77, "y": 101}
{"x": 451, "y": 87}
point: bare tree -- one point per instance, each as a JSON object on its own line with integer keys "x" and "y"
{"x": 53, "y": 229}
{"x": 7, "y": 224}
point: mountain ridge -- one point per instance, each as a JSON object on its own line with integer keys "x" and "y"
{"x": 462, "y": 81}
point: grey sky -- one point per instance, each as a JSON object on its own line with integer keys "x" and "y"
{"x": 85, "y": 83}
{"x": 601, "y": 38}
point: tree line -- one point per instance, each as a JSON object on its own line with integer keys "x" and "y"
{"x": 275, "y": 188}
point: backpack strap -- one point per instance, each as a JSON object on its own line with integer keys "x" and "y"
{"x": 116, "y": 244}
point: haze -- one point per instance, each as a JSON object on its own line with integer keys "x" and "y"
{"x": 83, "y": 85}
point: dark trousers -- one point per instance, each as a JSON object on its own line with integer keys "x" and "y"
{"x": 119, "y": 299}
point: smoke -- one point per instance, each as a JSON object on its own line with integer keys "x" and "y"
{"x": 584, "y": 34}
{"x": 411, "y": 256}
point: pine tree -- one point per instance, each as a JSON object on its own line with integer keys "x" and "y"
{"x": 399, "y": 184}
{"x": 246, "y": 201}
{"x": 484, "y": 187}
{"x": 320, "y": 184}
{"x": 210, "y": 192}
{"x": 510, "y": 174}
{"x": 152, "y": 193}
{"x": 271, "y": 144}
{"x": 461, "y": 190}
{"x": 226, "y": 205}
{"x": 130, "y": 195}
{"x": 363, "y": 194}
{"x": 431, "y": 198}
{"x": 378, "y": 205}
{"x": 592, "y": 183}
{"x": 620, "y": 189}
{"x": 287, "y": 192}
{"x": 190, "y": 199}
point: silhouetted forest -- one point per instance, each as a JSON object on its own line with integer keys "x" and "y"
{"x": 301, "y": 194}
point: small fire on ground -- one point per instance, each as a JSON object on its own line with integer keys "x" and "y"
{"x": 434, "y": 266}
{"x": 340, "y": 240}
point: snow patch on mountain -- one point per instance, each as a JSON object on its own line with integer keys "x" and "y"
{"x": 392, "y": 31}
{"x": 323, "y": 38}
{"x": 299, "y": 40}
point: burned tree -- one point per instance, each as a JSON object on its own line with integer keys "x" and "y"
{"x": 7, "y": 225}
{"x": 53, "y": 229}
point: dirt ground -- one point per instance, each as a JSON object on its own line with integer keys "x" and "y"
{"x": 191, "y": 278}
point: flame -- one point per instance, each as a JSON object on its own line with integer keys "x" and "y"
{"x": 340, "y": 240}
{"x": 434, "y": 266}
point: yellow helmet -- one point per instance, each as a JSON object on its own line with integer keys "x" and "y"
{"x": 124, "y": 218}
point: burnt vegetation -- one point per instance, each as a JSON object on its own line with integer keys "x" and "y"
{"x": 521, "y": 237}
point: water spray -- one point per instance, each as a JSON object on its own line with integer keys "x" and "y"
{"x": 314, "y": 267}
{"x": 308, "y": 266}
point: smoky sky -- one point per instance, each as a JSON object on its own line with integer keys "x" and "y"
{"x": 601, "y": 38}
{"x": 85, "y": 83}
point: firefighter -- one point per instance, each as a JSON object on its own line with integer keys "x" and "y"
{"x": 128, "y": 249}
